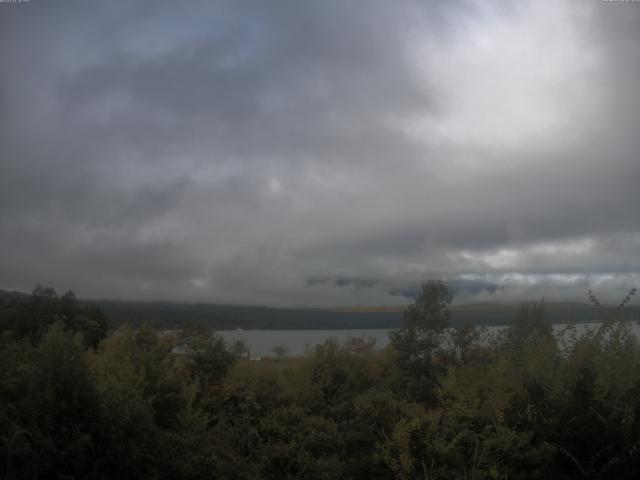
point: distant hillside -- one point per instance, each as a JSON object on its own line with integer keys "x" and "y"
{"x": 11, "y": 294}
{"x": 171, "y": 315}
{"x": 224, "y": 317}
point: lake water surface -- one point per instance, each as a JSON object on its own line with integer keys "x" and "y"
{"x": 297, "y": 342}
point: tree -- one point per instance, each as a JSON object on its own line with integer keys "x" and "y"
{"x": 64, "y": 406}
{"x": 208, "y": 356}
{"x": 279, "y": 351}
{"x": 530, "y": 320}
{"x": 360, "y": 345}
{"x": 421, "y": 337}
{"x": 240, "y": 348}
{"x": 463, "y": 338}
{"x": 429, "y": 313}
{"x": 31, "y": 316}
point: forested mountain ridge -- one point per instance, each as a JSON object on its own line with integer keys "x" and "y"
{"x": 222, "y": 317}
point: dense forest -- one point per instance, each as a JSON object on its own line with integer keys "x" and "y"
{"x": 81, "y": 400}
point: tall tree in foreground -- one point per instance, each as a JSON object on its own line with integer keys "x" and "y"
{"x": 420, "y": 338}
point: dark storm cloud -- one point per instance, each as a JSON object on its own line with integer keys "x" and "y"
{"x": 319, "y": 153}
{"x": 342, "y": 282}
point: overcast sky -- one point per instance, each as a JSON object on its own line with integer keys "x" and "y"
{"x": 320, "y": 153}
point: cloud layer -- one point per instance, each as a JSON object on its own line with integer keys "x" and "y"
{"x": 319, "y": 153}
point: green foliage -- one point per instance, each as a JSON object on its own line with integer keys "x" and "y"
{"x": 240, "y": 348}
{"x": 420, "y": 339}
{"x": 30, "y": 316}
{"x": 207, "y": 355}
{"x": 530, "y": 320}
{"x": 463, "y": 339}
{"x": 279, "y": 350}
{"x": 435, "y": 404}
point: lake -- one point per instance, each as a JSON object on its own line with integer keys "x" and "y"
{"x": 260, "y": 342}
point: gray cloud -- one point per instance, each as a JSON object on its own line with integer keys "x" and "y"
{"x": 319, "y": 153}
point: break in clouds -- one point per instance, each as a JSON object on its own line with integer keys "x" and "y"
{"x": 320, "y": 153}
